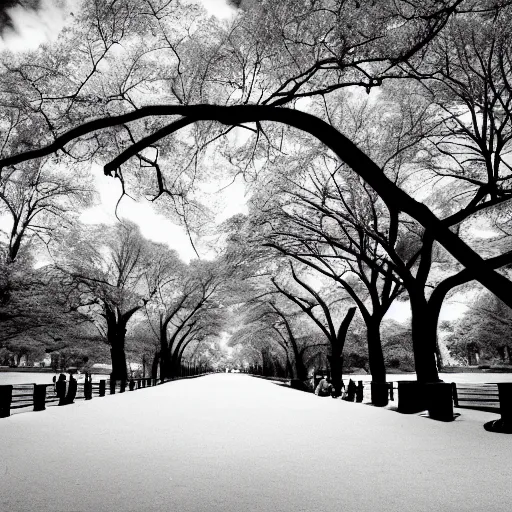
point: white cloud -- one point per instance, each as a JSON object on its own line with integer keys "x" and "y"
{"x": 451, "y": 310}
{"x": 153, "y": 225}
{"x": 218, "y": 8}
{"x": 236, "y": 202}
{"x": 33, "y": 28}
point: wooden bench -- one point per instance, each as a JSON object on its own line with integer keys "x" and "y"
{"x": 483, "y": 397}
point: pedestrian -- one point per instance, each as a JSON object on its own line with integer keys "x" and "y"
{"x": 72, "y": 388}
{"x": 60, "y": 388}
{"x": 324, "y": 387}
{"x": 351, "y": 391}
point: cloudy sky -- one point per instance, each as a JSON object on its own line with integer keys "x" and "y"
{"x": 30, "y": 29}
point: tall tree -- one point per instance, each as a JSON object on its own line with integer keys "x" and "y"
{"x": 182, "y": 309}
{"x": 328, "y": 222}
{"x": 109, "y": 277}
{"x": 322, "y": 313}
{"x": 199, "y": 334}
{"x": 267, "y": 315}
{"x": 261, "y": 310}
{"x": 37, "y": 198}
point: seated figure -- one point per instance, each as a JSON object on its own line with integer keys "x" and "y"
{"x": 324, "y": 387}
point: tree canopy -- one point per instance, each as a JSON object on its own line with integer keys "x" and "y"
{"x": 373, "y": 138}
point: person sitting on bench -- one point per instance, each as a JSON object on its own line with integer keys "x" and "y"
{"x": 60, "y": 387}
{"x": 324, "y": 387}
{"x": 72, "y": 388}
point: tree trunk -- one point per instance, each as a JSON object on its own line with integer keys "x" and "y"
{"x": 424, "y": 339}
{"x": 300, "y": 368}
{"x": 435, "y": 303}
{"x": 177, "y": 356}
{"x": 154, "y": 366}
{"x": 375, "y": 355}
{"x": 508, "y": 354}
{"x": 175, "y": 359}
{"x": 116, "y": 334}
{"x": 301, "y": 371}
{"x": 118, "y": 359}
{"x": 336, "y": 364}
{"x": 337, "y": 345}
{"x": 165, "y": 359}
{"x": 290, "y": 372}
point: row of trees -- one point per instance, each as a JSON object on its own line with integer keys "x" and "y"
{"x": 101, "y": 284}
{"x": 382, "y": 196}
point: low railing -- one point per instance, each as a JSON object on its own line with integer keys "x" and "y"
{"x": 483, "y": 397}
{"x": 38, "y": 396}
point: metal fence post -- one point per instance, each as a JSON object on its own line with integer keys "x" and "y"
{"x": 88, "y": 388}
{"x": 5, "y": 400}
{"x": 102, "y": 387}
{"x": 505, "y": 395}
{"x": 439, "y": 397}
{"x": 39, "y": 397}
{"x": 455, "y": 395}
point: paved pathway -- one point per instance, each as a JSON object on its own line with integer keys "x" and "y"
{"x": 236, "y": 443}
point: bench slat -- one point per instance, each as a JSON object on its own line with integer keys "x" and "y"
{"x": 480, "y": 399}
{"x": 472, "y": 395}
